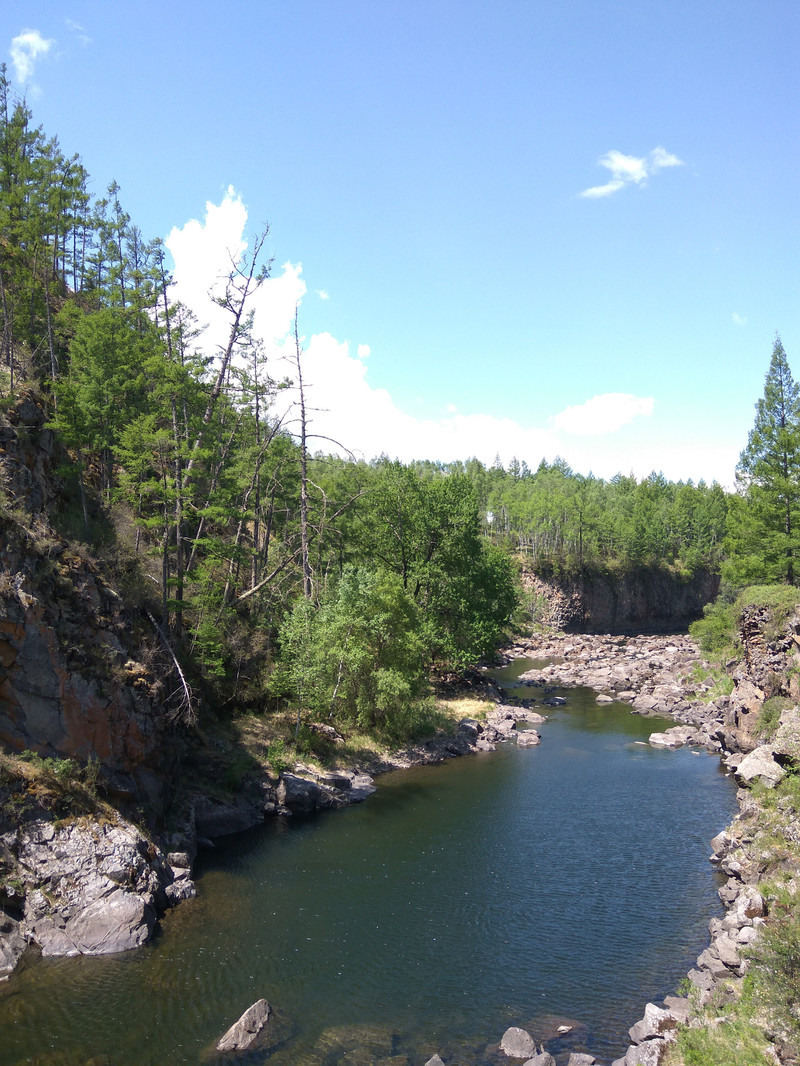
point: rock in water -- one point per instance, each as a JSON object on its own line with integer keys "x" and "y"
{"x": 517, "y": 1043}
{"x": 243, "y": 1034}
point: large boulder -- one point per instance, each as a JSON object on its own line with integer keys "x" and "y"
{"x": 517, "y": 1043}
{"x": 105, "y": 885}
{"x": 760, "y": 764}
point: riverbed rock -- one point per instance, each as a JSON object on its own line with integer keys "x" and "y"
{"x": 580, "y": 1058}
{"x": 244, "y": 1034}
{"x": 544, "y": 1058}
{"x": 517, "y": 1043}
{"x": 434, "y": 1060}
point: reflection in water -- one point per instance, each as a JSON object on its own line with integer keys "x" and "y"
{"x": 521, "y": 887}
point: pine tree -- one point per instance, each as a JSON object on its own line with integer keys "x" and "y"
{"x": 768, "y": 474}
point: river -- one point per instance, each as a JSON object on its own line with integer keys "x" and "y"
{"x": 564, "y": 884}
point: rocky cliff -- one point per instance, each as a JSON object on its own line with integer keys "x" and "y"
{"x": 646, "y": 600}
{"x": 71, "y": 684}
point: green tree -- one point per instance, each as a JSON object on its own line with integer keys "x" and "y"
{"x": 768, "y": 476}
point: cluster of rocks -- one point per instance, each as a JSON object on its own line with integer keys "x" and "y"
{"x": 85, "y": 888}
{"x": 651, "y": 673}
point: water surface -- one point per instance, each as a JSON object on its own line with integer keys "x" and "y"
{"x": 563, "y": 883}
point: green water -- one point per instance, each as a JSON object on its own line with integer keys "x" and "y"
{"x": 563, "y": 883}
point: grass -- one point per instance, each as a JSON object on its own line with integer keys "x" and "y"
{"x": 30, "y": 784}
{"x": 727, "y": 1041}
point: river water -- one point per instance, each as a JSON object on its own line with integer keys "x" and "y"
{"x": 564, "y": 884}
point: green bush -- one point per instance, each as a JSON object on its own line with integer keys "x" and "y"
{"x": 770, "y": 715}
{"x": 718, "y": 628}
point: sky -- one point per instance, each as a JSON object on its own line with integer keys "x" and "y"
{"x": 525, "y": 228}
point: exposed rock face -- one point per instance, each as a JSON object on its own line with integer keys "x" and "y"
{"x": 69, "y": 686}
{"x": 105, "y": 885}
{"x": 12, "y": 945}
{"x": 651, "y": 599}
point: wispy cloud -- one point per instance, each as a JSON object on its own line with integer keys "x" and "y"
{"x": 738, "y": 320}
{"x": 602, "y": 414}
{"x": 323, "y": 295}
{"x": 26, "y": 48}
{"x": 79, "y": 31}
{"x": 630, "y": 170}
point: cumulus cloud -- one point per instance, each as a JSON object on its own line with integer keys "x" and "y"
{"x": 630, "y": 170}
{"x": 602, "y": 414}
{"x": 343, "y": 405}
{"x": 26, "y": 48}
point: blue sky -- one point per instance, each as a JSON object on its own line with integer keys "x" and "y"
{"x": 529, "y": 228}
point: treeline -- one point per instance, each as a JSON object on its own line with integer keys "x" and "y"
{"x": 563, "y": 521}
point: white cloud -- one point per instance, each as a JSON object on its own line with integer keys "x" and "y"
{"x": 343, "y": 405}
{"x": 26, "y": 48}
{"x": 323, "y": 295}
{"x": 630, "y": 170}
{"x": 738, "y": 320}
{"x": 602, "y": 414}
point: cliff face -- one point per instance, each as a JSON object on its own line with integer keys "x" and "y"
{"x": 650, "y": 599}
{"x": 69, "y": 685}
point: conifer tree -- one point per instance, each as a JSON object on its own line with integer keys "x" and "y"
{"x": 768, "y": 475}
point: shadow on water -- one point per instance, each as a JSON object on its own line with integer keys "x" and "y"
{"x": 565, "y": 884}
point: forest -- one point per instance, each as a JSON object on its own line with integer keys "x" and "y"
{"x": 278, "y": 574}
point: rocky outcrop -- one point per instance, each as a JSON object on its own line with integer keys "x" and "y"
{"x": 83, "y": 888}
{"x": 649, "y": 599}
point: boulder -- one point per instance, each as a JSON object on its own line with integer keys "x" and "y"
{"x": 760, "y": 763}
{"x": 528, "y": 738}
{"x": 117, "y": 922}
{"x": 679, "y": 1007}
{"x": 650, "y": 1053}
{"x": 517, "y": 1043}
{"x": 244, "y": 1034}
{"x": 655, "y": 1022}
{"x": 105, "y": 885}
{"x": 544, "y": 1058}
{"x": 434, "y": 1060}
{"x": 12, "y": 945}
{"x": 579, "y": 1058}
{"x": 215, "y": 819}
{"x": 298, "y": 793}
